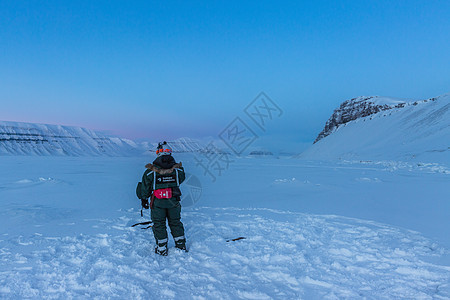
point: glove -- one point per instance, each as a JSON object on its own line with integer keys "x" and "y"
{"x": 144, "y": 203}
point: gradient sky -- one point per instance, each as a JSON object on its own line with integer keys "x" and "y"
{"x": 168, "y": 69}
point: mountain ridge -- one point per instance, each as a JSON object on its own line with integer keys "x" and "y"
{"x": 402, "y": 131}
{"x": 361, "y": 107}
{"x": 21, "y": 138}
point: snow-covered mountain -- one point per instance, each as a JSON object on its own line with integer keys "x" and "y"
{"x": 356, "y": 108}
{"x": 386, "y": 128}
{"x": 17, "y": 138}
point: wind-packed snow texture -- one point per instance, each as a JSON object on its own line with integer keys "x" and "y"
{"x": 313, "y": 230}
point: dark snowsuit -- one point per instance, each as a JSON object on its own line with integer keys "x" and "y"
{"x": 168, "y": 174}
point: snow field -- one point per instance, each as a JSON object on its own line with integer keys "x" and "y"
{"x": 285, "y": 255}
{"x": 65, "y": 232}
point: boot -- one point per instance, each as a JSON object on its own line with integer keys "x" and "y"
{"x": 161, "y": 248}
{"x": 180, "y": 243}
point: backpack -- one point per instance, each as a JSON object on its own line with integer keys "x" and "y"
{"x": 139, "y": 190}
{"x": 166, "y": 186}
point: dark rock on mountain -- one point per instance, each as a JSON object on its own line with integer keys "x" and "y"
{"x": 356, "y": 108}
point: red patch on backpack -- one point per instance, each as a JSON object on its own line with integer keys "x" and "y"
{"x": 163, "y": 193}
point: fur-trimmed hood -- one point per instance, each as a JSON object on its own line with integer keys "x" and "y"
{"x": 159, "y": 170}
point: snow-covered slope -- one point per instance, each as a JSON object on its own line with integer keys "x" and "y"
{"x": 375, "y": 128}
{"x": 18, "y": 138}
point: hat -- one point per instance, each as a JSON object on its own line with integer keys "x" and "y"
{"x": 163, "y": 149}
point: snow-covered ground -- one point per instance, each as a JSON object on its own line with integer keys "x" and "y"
{"x": 313, "y": 230}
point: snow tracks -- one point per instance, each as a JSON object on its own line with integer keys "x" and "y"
{"x": 284, "y": 256}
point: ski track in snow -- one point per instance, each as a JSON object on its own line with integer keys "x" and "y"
{"x": 285, "y": 255}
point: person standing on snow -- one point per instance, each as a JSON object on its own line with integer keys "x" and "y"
{"x": 161, "y": 183}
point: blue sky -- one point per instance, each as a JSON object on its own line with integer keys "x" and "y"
{"x": 167, "y": 69}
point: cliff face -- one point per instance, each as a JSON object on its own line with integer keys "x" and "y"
{"x": 356, "y": 108}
